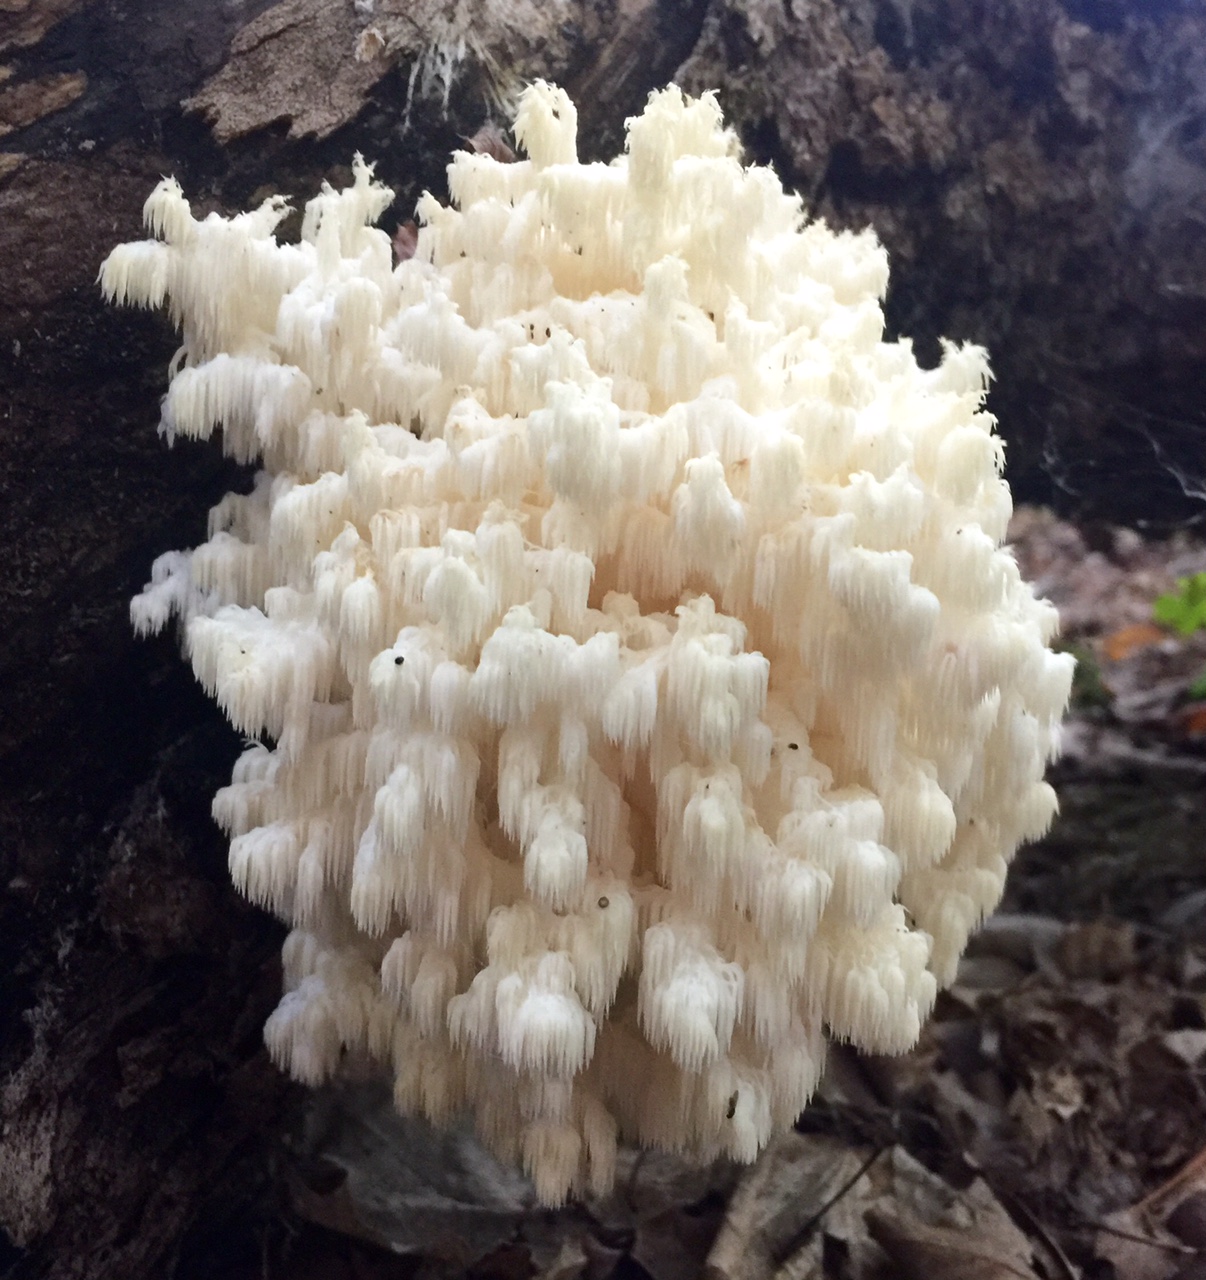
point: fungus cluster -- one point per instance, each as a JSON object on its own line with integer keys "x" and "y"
{"x": 639, "y": 692}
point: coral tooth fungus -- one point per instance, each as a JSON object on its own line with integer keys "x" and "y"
{"x": 646, "y": 694}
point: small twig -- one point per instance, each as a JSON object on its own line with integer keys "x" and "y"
{"x": 1016, "y": 1208}
{"x": 797, "y": 1241}
{"x": 1169, "y": 1246}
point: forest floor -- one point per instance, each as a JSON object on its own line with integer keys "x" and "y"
{"x": 1052, "y": 1122}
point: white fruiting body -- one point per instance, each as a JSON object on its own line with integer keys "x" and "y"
{"x": 650, "y": 693}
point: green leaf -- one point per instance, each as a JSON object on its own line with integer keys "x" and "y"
{"x": 1089, "y": 689}
{"x": 1184, "y": 609}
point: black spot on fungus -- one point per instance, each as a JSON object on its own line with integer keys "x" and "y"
{"x": 732, "y": 1108}
{"x": 399, "y": 660}
{"x": 793, "y": 746}
{"x": 603, "y": 902}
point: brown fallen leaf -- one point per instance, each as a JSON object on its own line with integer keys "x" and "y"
{"x": 1130, "y": 639}
{"x": 778, "y": 1199}
{"x": 1103, "y": 950}
{"x": 988, "y": 1249}
{"x": 1193, "y": 720}
{"x": 674, "y": 1245}
{"x": 812, "y": 1198}
{"x": 1146, "y": 1241}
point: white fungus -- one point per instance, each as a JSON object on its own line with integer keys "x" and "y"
{"x": 640, "y": 690}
